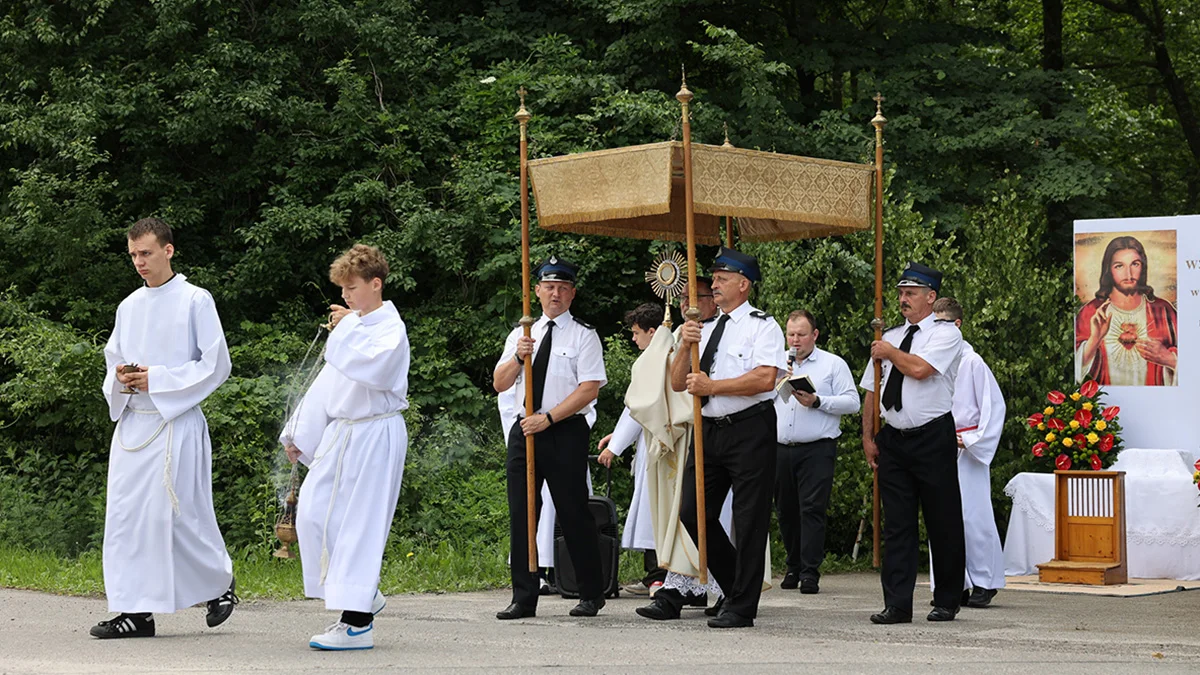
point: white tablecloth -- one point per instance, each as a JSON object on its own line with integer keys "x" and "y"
{"x": 1162, "y": 523}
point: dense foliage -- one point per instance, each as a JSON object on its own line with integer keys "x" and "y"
{"x": 274, "y": 134}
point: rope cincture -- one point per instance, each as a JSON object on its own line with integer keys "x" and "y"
{"x": 341, "y": 441}
{"x": 168, "y": 480}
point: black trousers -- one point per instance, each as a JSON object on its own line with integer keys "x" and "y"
{"x": 803, "y": 483}
{"x": 919, "y": 468}
{"x": 561, "y": 460}
{"x": 742, "y": 456}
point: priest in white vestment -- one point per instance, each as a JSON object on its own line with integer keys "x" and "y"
{"x": 162, "y": 549}
{"x": 349, "y": 430}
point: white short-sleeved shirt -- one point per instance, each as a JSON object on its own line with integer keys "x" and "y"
{"x": 835, "y": 386}
{"x": 940, "y": 344}
{"x": 751, "y": 339}
{"x": 576, "y": 356}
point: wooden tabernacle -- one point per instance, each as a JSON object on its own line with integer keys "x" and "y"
{"x": 1089, "y": 529}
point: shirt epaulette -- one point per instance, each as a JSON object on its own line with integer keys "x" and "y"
{"x": 889, "y": 328}
{"x": 943, "y": 320}
{"x": 759, "y": 314}
{"x": 583, "y": 323}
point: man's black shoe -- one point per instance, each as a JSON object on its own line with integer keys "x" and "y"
{"x": 715, "y": 610}
{"x": 892, "y": 615}
{"x": 809, "y": 586}
{"x": 730, "y": 620}
{"x": 220, "y": 608}
{"x": 790, "y": 581}
{"x": 125, "y": 626}
{"x": 981, "y": 597}
{"x": 659, "y": 610}
{"x": 588, "y": 607}
{"x": 696, "y": 600}
{"x": 515, "y": 611}
{"x": 942, "y": 614}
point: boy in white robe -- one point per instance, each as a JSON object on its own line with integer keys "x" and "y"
{"x": 162, "y": 548}
{"x": 978, "y": 411}
{"x": 638, "y": 534}
{"x": 348, "y": 429}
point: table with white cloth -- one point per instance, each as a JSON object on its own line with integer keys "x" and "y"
{"x": 1162, "y": 521}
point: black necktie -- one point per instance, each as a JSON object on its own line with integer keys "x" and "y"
{"x": 891, "y": 392}
{"x": 540, "y": 361}
{"x": 710, "y": 350}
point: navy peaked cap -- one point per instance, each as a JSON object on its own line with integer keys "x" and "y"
{"x": 916, "y": 274}
{"x": 555, "y": 269}
{"x": 729, "y": 260}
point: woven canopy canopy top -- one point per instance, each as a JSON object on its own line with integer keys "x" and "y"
{"x": 638, "y": 192}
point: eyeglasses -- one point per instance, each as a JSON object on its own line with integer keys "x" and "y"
{"x": 704, "y": 295}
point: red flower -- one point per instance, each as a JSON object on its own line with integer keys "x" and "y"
{"x": 1096, "y": 463}
{"x": 1110, "y": 412}
{"x": 1056, "y": 397}
{"x": 1089, "y": 388}
{"x": 1062, "y": 462}
{"x": 1197, "y": 465}
{"x": 1056, "y": 424}
{"x": 1106, "y": 444}
{"x": 1034, "y": 420}
{"x": 1080, "y": 441}
{"x": 1039, "y": 449}
{"x": 1084, "y": 417}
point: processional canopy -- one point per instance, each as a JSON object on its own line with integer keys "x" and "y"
{"x": 638, "y": 192}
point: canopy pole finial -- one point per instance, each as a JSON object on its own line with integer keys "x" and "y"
{"x": 684, "y": 95}
{"x": 879, "y": 120}
{"x": 726, "y": 144}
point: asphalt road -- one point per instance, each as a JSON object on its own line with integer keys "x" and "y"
{"x": 1023, "y": 632}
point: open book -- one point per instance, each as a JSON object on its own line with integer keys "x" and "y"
{"x": 795, "y": 383}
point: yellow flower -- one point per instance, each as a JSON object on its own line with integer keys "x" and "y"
{"x": 1041, "y": 427}
{"x": 1074, "y": 424}
{"x": 1048, "y": 411}
{"x": 1075, "y": 396}
{"x": 1050, "y": 437}
{"x": 1088, "y": 405}
{"x": 1068, "y": 442}
{"x": 1093, "y": 438}
{"x": 1101, "y": 425}
{"x": 411, "y": 554}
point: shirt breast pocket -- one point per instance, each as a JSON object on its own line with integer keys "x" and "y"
{"x": 737, "y": 359}
{"x": 564, "y": 361}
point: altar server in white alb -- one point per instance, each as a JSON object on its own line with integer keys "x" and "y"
{"x": 978, "y": 420}
{"x": 162, "y": 549}
{"x": 638, "y": 534}
{"x": 349, "y": 430}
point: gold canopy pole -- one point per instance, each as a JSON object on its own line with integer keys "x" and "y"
{"x": 523, "y": 118}
{"x": 693, "y": 314}
{"x": 878, "y": 122}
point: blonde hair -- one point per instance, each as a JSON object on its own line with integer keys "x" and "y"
{"x": 360, "y": 260}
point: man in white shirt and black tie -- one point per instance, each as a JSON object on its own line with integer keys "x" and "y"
{"x": 568, "y": 371}
{"x": 808, "y": 428}
{"x": 916, "y": 451}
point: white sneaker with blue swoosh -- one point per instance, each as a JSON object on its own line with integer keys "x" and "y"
{"x": 342, "y": 636}
{"x": 378, "y": 602}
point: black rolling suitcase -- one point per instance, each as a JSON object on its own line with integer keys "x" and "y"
{"x": 604, "y": 511}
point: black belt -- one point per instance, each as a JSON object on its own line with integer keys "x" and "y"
{"x": 521, "y": 417}
{"x": 732, "y": 418}
{"x": 923, "y": 428}
{"x": 804, "y": 443}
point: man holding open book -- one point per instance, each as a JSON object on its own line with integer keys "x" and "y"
{"x": 813, "y": 396}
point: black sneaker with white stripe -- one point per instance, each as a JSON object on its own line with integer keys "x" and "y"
{"x": 125, "y": 626}
{"x": 220, "y": 608}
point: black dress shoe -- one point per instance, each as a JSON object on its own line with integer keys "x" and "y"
{"x": 790, "y": 581}
{"x": 515, "y": 611}
{"x": 588, "y": 607}
{"x": 892, "y": 615}
{"x": 697, "y": 600}
{"x": 715, "y": 609}
{"x": 730, "y": 620}
{"x": 659, "y": 610}
{"x": 809, "y": 586}
{"x": 942, "y": 614}
{"x": 981, "y": 597}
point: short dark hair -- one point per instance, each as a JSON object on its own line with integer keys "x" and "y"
{"x": 156, "y": 226}
{"x": 804, "y": 314}
{"x": 645, "y": 316}
{"x": 948, "y": 306}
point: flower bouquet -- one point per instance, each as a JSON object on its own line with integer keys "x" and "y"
{"x": 1196, "y": 476}
{"x": 1076, "y": 431}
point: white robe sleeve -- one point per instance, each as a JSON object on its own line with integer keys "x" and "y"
{"x": 309, "y": 419}
{"x": 374, "y": 356}
{"x": 625, "y": 433}
{"x": 112, "y": 386}
{"x": 177, "y": 389}
{"x": 982, "y": 441}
